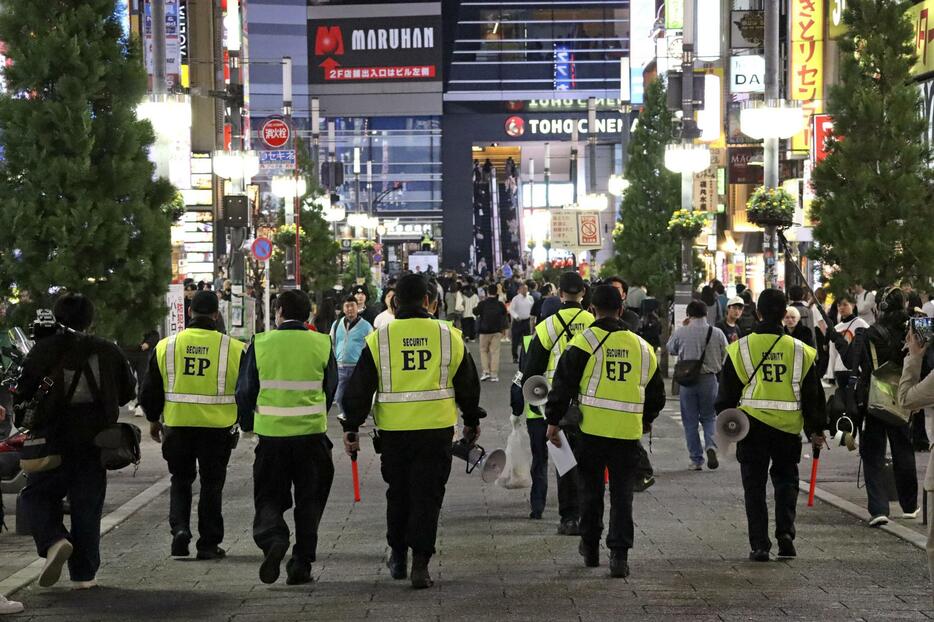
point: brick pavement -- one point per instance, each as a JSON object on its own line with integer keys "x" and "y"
{"x": 689, "y": 562}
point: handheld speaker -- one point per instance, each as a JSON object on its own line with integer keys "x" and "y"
{"x": 535, "y": 391}
{"x": 732, "y": 426}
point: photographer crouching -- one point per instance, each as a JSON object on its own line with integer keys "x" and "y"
{"x": 914, "y": 394}
{"x": 81, "y": 381}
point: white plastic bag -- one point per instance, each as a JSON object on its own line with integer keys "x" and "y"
{"x": 517, "y": 473}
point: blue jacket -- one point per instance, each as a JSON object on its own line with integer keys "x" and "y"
{"x": 349, "y": 345}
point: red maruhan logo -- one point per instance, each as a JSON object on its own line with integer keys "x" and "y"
{"x": 329, "y": 41}
{"x": 515, "y": 126}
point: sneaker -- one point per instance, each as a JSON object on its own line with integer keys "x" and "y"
{"x": 212, "y": 553}
{"x": 911, "y": 515}
{"x": 398, "y": 564}
{"x": 84, "y": 585}
{"x": 10, "y": 606}
{"x": 569, "y": 528}
{"x": 590, "y": 552}
{"x": 421, "y": 579}
{"x": 694, "y": 466}
{"x": 494, "y": 378}
{"x": 269, "y": 570}
{"x": 619, "y": 563}
{"x": 759, "y": 555}
{"x": 484, "y": 376}
{"x": 297, "y": 573}
{"x": 644, "y": 484}
{"x": 138, "y": 411}
{"x": 878, "y": 521}
{"x": 712, "y": 462}
{"x": 180, "y": 543}
{"x": 55, "y": 559}
{"x": 786, "y": 547}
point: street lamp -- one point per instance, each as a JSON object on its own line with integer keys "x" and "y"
{"x": 617, "y": 185}
{"x": 686, "y": 159}
{"x": 771, "y": 119}
{"x": 288, "y": 187}
{"x": 236, "y": 165}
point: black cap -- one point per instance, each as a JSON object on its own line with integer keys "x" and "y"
{"x": 607, "y": 298}
{"x": 358, "y": 289}
{"x": 571, "y": 283}
{"x": 204, "y": 303}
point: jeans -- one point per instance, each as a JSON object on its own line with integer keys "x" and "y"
{"x": 697, "y": 408}
{"x": 344, "y": 372}
{"x": 489, "y": 353}
{"x": 768, "y": 452}
{"x": 188, "y": 450}
{"x": 299, "y": 465}
{"x": 416, "y": 465}
{"x": 519, "y": 329}
{"x": 537, "y": 439}
{"x": 82, "y": 478}
{"x": 872, "y": 450}
{"x": 596, "y": 454}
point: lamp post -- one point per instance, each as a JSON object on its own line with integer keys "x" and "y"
{"x": 687, "y": 160}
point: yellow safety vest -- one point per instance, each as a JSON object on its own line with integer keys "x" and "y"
{"x": 773, "y": 396}
{"x": 529, "y": 413}
{"x": 417, "y": 359}
{"x": 553, "y": 336}
{"x": 612, "y": 388}
{"x": 199, "y": 370}
{"x": 291, "y": 366}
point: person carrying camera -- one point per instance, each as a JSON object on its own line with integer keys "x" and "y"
{"x": 420, "y": 372}
{"x": 91, "y": 380}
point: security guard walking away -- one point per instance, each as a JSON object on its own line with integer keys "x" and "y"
{"x": 190, "y": 385}
{"x": 772, "y": 378}
{"x": 536, "y": 426}
{"x": 552, "y": 336}
{"x": 285, "y": 389}
{"x": 420, "y": 372}
{"x": 614, "y": 374}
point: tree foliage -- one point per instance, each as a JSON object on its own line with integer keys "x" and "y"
{"x": 646, "y": 251}
{"x": 874, "y": 190}
{"x": 80, "y": 207}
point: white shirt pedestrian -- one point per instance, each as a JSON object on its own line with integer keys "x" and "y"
{"x": 520, "y": 308}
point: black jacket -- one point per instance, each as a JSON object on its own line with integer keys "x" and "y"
{"x": 570, "y": 370}
{"x": 248, "y": 380}
{"x": 812, "y": 392}
{"x": 492, "y": 316}
{"x": 57, "y": 356}
{"x": 364, "y": 383}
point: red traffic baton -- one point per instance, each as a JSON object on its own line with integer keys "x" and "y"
{"x": 814, "y": 464}
{"x": 356, "y": 473}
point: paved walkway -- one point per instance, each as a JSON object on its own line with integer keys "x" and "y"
{"x": 494, "y": 563}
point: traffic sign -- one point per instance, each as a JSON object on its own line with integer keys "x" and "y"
{"x": 261, "y": 249}
{"x": 276, "y": 133}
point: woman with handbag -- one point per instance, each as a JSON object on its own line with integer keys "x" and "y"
{"x": 700, "y": 349}
{"x": 876, "y": 356}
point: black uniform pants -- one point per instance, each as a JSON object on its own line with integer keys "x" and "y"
{"x": 569, "y": 507}
{"x": 538, "y": 441}
{"x": 519, "y": 329}
{"x": 596, "y": 454}
{"x": 416, "y": 465}
{"x": 282, "y": 465}
{"x": 768, "y": 452}
{"x": 188, "y": 451}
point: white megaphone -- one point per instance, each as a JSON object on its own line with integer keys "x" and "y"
{"x": 535, "y": 391}
{"x": 844, "y": 436}
{"x": 732, "y": 426}
{"x": 491, "y": 464}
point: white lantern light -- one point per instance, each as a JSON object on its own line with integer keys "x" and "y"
{"x": 773, "y": 119}
{"x": 357, "y": 220}
{"x": 617, "y": 185}
{"x": 236, "y": 164}
{"x": 287, "y": 187}
{"x": 334, "y": 213}
{"x": 593, "y": 203}
{"x": 686, "y": 158}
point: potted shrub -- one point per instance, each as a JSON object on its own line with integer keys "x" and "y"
{"x": 687, "y": 224}
{"x": 771, "y": 207}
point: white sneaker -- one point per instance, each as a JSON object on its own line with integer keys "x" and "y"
{"x": 138, "y": 412}
{"x": 911, "y": 515}
{"x": 878, "y": 521}
{"x": 9, "y": 606}
{"x": 485, "y": 376}
{"x": 84, "y": 585}
{"x": 494, "y": 378}
{"x": 55, "y": 559}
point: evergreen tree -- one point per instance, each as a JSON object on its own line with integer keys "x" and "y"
{"x": 874, "y": 190}
{"x": 319, "y": 249}
{"x": 646, "y": 252}
{"x": 80, "y": 208}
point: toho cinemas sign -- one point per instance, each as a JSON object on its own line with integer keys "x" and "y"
{"x": 375, "y": 49}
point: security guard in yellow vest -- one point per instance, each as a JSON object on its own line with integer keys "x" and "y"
{"x": 190, "y": 385}
{"x": 552, "y": 336}
{"x": 772, "y": 378}
{"x": 614, "y": 375}
{"x": 420, "y": 373}
{"x": 285, "y": 389}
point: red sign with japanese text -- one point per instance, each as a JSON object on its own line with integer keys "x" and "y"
{"x": 276, "y": 133}
{"x": 823, "y": 129}
{"x": 807, "y": 50}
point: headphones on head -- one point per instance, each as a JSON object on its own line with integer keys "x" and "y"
{"x": 885, "y": 305}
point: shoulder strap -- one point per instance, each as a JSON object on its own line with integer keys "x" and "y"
{"x": 873, "y": 355}
{"x": 566, "y": 327}
{"x": 764, "y": 357}
{"x": 703, "y": 353}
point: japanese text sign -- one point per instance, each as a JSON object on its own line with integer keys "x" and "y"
{"x": 807, "y": 50}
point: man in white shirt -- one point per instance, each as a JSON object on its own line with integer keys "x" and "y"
{"x": 928, "y": 307}
{"x": 865, "y": 304}
{"x": 520, "y": 308}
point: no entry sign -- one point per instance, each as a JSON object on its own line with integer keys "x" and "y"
{"x": 262, "y": 249}
{"x": 276, "y": 133}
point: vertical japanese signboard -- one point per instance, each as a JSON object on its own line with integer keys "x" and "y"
{"x": 922, "y": 19}
{"x": 807, "y": 62}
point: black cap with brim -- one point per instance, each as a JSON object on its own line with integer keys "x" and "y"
{"x": 204, "y": 303}
{"x": 571, "y": 283}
